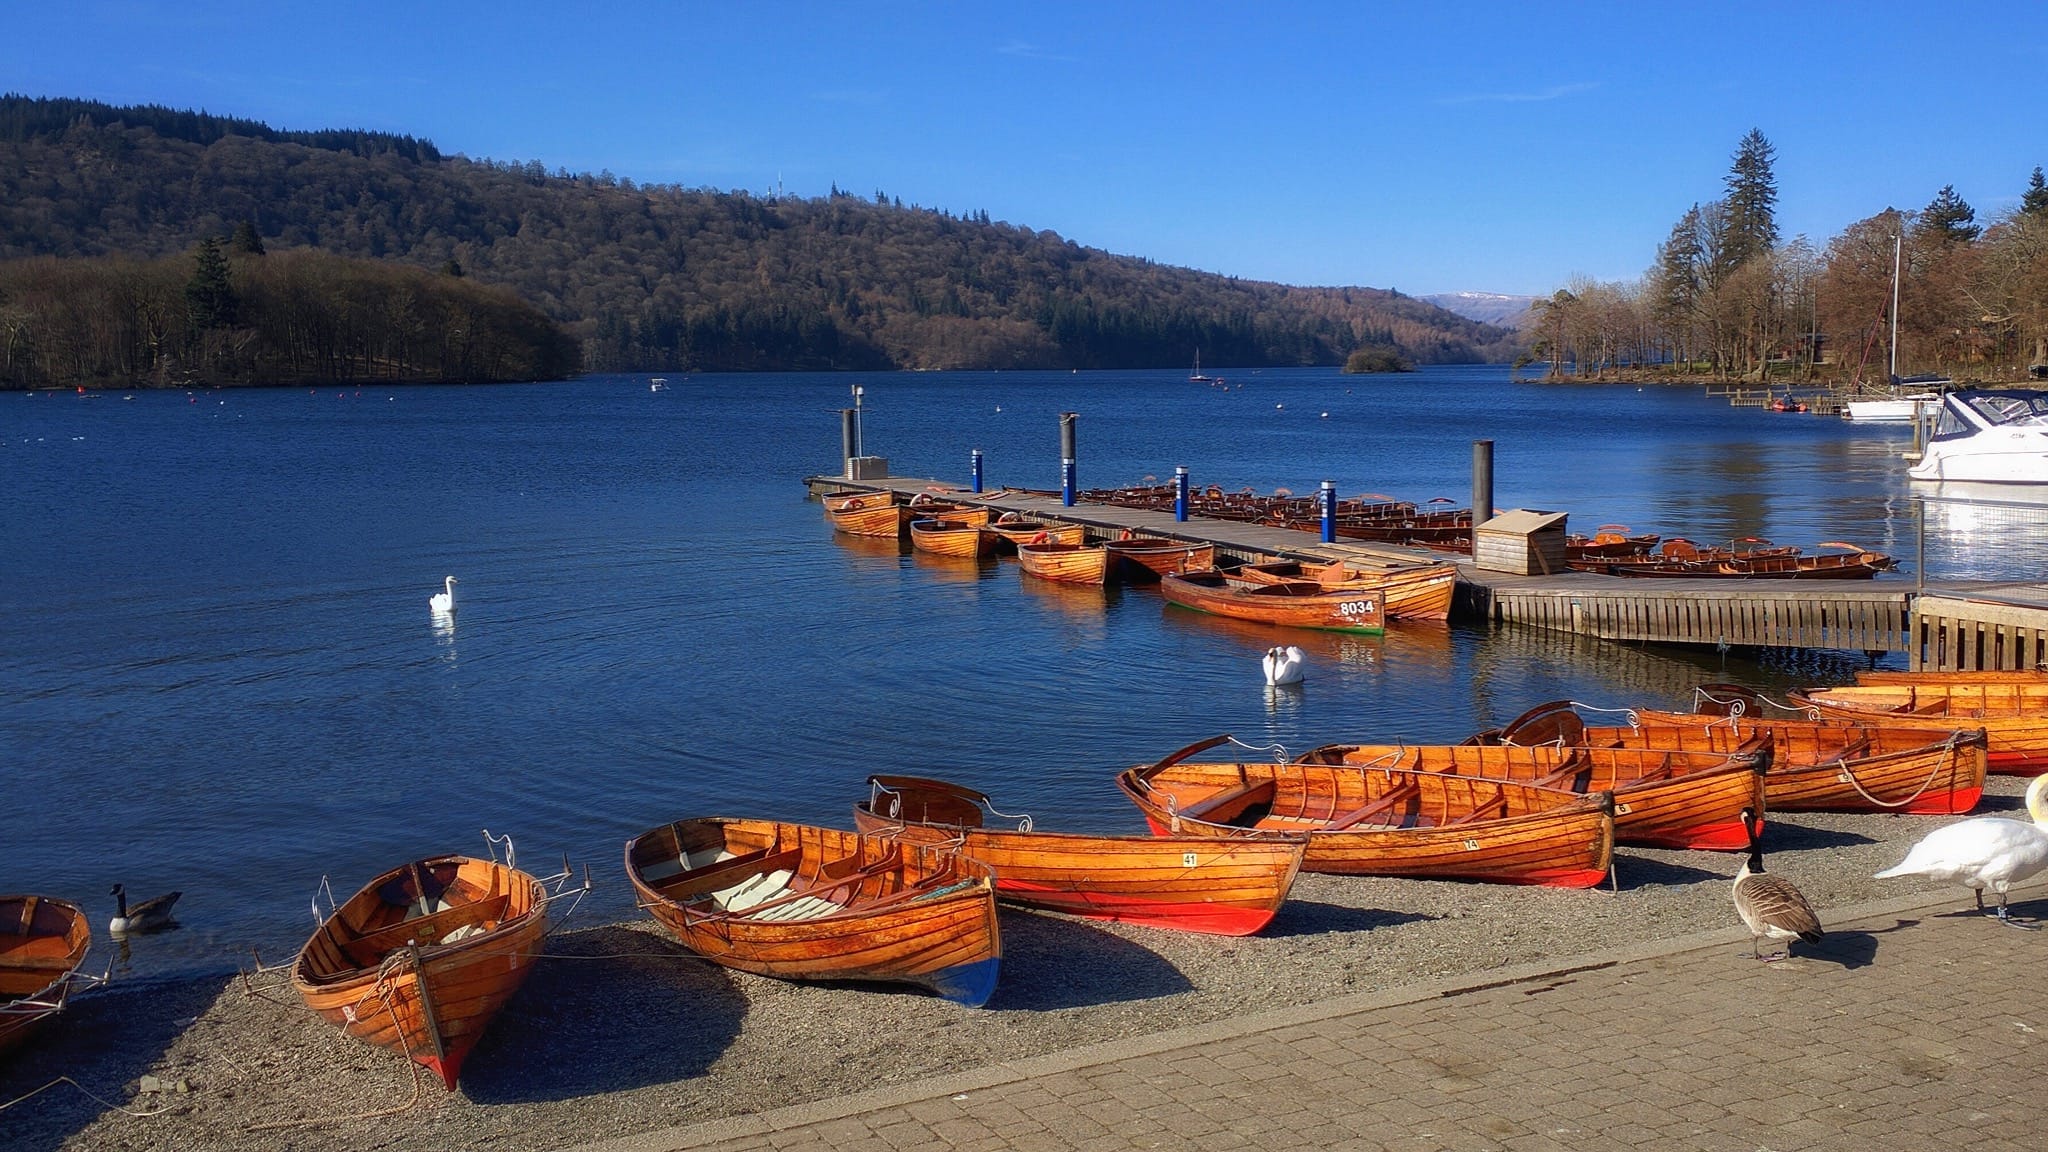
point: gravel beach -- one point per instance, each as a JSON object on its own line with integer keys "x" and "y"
{"x": 621, "y": 1030}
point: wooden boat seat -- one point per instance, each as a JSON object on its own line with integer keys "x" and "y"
{"x": 369, "y": 949}
{"x": 1229, "y": 800}
{"x": 664, "y": 869}
{"x": 1853, "y": 750}
{"x": 719, "y": 874}
{"x": 759, "y": 888}
{"x": 1386, "y": 803}
{"x": 1482, "y": 810}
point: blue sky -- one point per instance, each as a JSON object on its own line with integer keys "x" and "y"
{"x": 1429, "y": 147}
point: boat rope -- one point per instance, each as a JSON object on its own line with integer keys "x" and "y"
{"x": 90, "y": 1094}
{"x": 1274, "y": 747}
{"x": 1945, "y": 762}
{"x": 383, "y": 991}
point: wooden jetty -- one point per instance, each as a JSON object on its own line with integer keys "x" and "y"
{"x": 1946, "y": 625}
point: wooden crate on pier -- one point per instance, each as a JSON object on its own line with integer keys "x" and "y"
{"x": 1523, "y": 541}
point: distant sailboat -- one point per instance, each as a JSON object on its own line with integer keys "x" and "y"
{"x": 1197, "y": 377}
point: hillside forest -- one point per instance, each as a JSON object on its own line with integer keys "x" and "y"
{"x": 662, "y": 277}
{"x": 1726, "y": 297}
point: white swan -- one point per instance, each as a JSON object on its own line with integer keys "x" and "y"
{"x": 147, "y": 916}
{"x": 1285, "y": 665}
{"x": 1984, "y": 851}
{"x": 1770, "y": 905}
{"x": 442, "y": 603}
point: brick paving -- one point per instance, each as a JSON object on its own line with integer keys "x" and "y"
{"x": 1913, "y": 1025}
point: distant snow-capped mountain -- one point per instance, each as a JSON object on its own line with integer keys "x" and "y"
{"x": 1485, "y": 307}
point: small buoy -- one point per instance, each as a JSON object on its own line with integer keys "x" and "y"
{"x": 999, "y": 407}
{"x": 1279, "y": 406}
{"x": 1326, "y": 415}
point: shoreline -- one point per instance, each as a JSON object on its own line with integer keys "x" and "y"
{"x": 622, "y": 1031}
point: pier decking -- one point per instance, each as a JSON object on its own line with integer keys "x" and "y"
{"x": 1951, "y": 625}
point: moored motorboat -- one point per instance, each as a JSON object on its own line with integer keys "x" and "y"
{"x": 1383, "y": 820}
{"x": 1286, "y": 604}
{"x": 1065, "y": 563}
{"x": 424, "y": 955}
{"x": 798, "y": 902}
{"x": 43, "y": 945}
{"x": 1195, "y": 884}
{"x": 1993, "y": 435}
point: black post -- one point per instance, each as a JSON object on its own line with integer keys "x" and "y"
{"x": 1067, "y": 457}
{"x": 1482, "y": 482}
{"x": 849, "y": 441}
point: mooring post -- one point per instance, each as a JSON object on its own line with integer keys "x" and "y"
{"x": 1482, "y": 482}
{"x": 1329, "y": 511}
{"x": 849, "y": 441}
{"x": 1067, "y": 458}
{"x": 1180, "y": 492}
{"x": 977, "y": 469}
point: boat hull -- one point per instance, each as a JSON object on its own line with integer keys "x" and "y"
{"x": 943, "y": 538}
{"x": 1144, "y": 561}
{"x": 1064, "y": 563}
{"x": 43, "y": 942}
{"x": 425, "y": 985}
{"x": 2014, "y": 716}
{"x": 894, "y": 913}
{"x": 1834, "y": 766}
{"x": 1422, "y": 824}
{"x": 1291, "y": 604}
{"x": 866, "y": 514}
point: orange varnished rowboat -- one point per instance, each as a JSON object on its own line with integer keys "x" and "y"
{"x": 1011, "y": 530}
{"x": 1145, "y": 559}
{"x": 2014, "y": 716}
{"x": 865, "y": 514}
{"x": 1197, "y": 884}
{"x": 947, "y": 538}
{"x": 1829, "y": 765}
{"x": 1412, "y": 591}
{"x": 422, "y": 958}
{"x": 798, "y": 902}
{"x": 1982, "y": 676}
{"x": 1064, "y": 563}
{"x": 43, "y": 943}
{"x": 1290, "y": 604}
{"x": 1663, "y": 798}
{"x": 1384, "y": 821}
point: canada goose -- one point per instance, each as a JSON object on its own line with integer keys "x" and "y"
{"x": 1768, "y": 904}
{"x": 1284, "y": 665}
{"x": 147, "y": 916}
{"x": 1984, "y": 851}
{"x": 442, "y": 603}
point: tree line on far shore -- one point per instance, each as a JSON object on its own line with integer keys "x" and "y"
{"x": 1725, "y": 299}
{"x": 233, "y": 314}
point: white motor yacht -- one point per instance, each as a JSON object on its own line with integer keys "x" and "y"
{"x": 1988, "y": 435}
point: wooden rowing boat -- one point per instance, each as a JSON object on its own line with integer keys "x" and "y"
{"x": 1384, "y": 820}
{"x": 1065, "y": 563}
{"x": 423, "y": 956}
{"x": 1195, "y": 884}
{"x": 43, "y": 943}
{"x": 1410, "y": 591}
{"x": 1145, "y": 559}
{"x": 1289, "y": 604}
{"x": 1816, "y": 765}
{"x": 946, "y": 538}
{"x": 2014, "y": 716}
{"x": 1832, "y": 765}
{"x": 798, "y": 902}
{"x": 1010, "y": 530}
{"x": 865, "y": 514}
{"x": 1981, "y": 676}
{"x": 1664, "y": 798}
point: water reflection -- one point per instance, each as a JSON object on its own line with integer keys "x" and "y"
{"x": 1081, "y": 600}
{"x": 444, "y": 634}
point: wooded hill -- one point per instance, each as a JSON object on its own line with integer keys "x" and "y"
{"x": 669, "y": 278}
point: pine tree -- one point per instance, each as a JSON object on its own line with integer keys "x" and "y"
{"x": 1949, "y": 218}
{"x": 246, "y": 241}
{"x": 1752, "y": 205}
{"x": 2036, "y": 198}
{"x": 209, "y": 297}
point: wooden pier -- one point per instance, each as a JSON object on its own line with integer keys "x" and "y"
{"x": 1949, "y": 625}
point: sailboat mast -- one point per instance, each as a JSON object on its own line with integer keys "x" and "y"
{"x": 1892, "y": 350}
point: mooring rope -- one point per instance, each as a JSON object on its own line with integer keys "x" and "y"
{"x": 1946, "y": 762}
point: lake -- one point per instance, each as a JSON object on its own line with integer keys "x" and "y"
{"x": 218, "y": 673}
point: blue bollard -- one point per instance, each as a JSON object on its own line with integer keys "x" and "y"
{"x": 1329, "y": 511}
{"x": 1180, "y": 492}
{"x": 977, "y": 469}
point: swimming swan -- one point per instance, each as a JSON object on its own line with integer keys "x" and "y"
{"x": 442, "y": 603}
{"x": 1984, "y": 851}
{"x": 1284, "y": 665}
{"x": 1770, "y": 905}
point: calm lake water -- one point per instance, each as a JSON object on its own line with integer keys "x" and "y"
{"x": 218, "y": 672}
